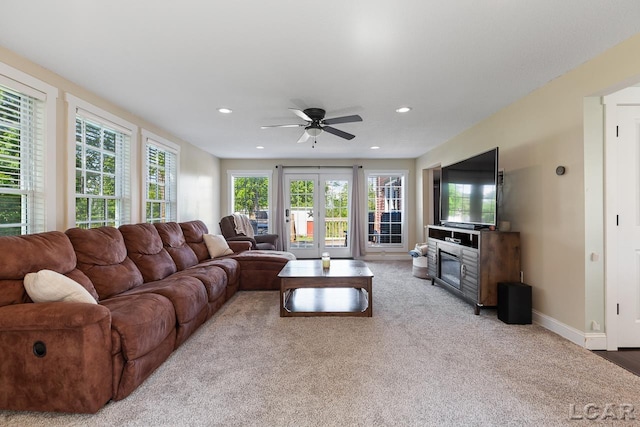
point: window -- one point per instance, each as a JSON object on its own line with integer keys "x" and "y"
{"x": 102, "y": 169}
{"x": 250, "y": 195}
{"x": 161, "y": 179}
{"x": 386, "y": 207}
{"x": 24, "y": 133}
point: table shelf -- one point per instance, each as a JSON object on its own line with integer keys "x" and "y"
{"x": 344, "y": 289}
{"x": 326, "y": 301}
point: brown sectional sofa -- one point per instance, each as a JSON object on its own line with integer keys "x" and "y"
{"x": 155, "y": 285}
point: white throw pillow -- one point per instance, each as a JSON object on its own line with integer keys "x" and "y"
{"x": 216, "y": 245}
{"x": 49, "y": 286}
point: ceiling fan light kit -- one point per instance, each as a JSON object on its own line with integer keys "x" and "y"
{"x": 316, "y": 124}
{"x": 313, "y": 131}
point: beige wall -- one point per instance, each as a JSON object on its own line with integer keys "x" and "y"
{"x": 535, "y": 134}
{"x": 378, "y": 165}
{"x": 199, "y": 194}
{"x": 199, "y": 188}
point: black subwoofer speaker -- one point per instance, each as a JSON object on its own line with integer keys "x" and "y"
{"x": 514, "y": 303}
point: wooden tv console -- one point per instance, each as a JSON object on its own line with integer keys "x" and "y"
{"x": 470, "y": 263}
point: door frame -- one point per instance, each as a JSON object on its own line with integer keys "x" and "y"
{"x": 319, "y": 177}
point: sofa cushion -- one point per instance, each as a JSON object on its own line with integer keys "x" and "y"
{"x": 229, "y": 265}
{"x": 176, "y": 245}
{"x": 193, "y": 232}
{"x": 78, "y": 276}
{"x": 35, "y": 252}
{"x": 31, "y": 253}
{"x": 216, "y": 245}
{"x": 49, "y": 286}
{"x": 187, "y": 294}
{"x": 145, "y": 248}
{"x": 102, "y": 256}
{"x": 213, "y": 278}
{"x": 140, "y": 323}
{"x": 239, "y": 246}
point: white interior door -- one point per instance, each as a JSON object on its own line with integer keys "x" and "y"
{"x": 628, "y": 229}
{"x": 318, "y": 209}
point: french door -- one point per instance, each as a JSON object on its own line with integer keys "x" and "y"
{"x": 318, "y": 210}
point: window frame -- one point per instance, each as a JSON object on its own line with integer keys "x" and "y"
{"x": 75, "y": 106}
{"x": 167, "y": 146}
{"x": 388, "y": 247}
{"x": 26, "y": 84}
{"x": 268, "y": 173}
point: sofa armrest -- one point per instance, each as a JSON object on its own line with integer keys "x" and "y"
{"x": 50, "y": 316}
{"x": 259, "y": 269}
{"x": 267, "y": 238}
{"x": 239, "y": 245}
{"x": 56, "y": 357}
{"x": 242, "y": 239}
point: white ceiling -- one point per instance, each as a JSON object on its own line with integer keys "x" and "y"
{"x": 174, "y": 63}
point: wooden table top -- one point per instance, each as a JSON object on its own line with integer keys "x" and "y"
{"x": 313, "y": 268}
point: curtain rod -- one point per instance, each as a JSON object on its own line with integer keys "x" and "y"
{"x": 318, "y": 167}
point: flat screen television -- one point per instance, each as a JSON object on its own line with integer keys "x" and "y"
{"x": 468, "y": 192}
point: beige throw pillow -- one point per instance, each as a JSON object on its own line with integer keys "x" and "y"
{"x": 216, "y": 245}
{"x": 49, "y": 286}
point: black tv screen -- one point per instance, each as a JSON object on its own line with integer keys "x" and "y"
{"x": 468, "y": 191}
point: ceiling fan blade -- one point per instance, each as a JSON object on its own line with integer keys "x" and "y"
{"x": 338, "y": 132}
{"x": 301, "y": 114}
{"x": 281, "y": 126}
{"x": 343, "y": 119}
{"x": 304, "y": 137}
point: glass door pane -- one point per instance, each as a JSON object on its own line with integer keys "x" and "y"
{"x": 302, "y": 207}
{"x": 336, "y": 216}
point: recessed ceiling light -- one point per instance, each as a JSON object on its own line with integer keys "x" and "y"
{"x": 225, "y": 110}
{"x": 403, "y": 110}
{"x": 260, "y": 147}
{"x": 375, "y": 147}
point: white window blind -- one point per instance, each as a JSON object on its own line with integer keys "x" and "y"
{"x": 22, "y": 163}
{"x": 102, "y": 181}
{"x": 161, "y": 192}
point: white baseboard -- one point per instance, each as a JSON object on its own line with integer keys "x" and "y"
{"x": 590, "y": 340}
{"x": 595, "y": 341}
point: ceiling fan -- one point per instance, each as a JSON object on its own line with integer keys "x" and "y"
{"x": 316, "y": 123}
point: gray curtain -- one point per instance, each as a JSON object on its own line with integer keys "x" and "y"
{"x": 357, "y": 212}
{"x": 280, "y": 220}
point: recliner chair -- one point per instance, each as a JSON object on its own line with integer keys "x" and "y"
{"x": 258, "y": 241}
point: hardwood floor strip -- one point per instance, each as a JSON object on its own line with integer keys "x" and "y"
{"x": 627, "y": 358}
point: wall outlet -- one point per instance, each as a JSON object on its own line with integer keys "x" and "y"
{"x": 595, "y": 326}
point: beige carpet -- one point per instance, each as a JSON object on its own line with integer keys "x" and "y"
{"x": 424, "y": 359}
